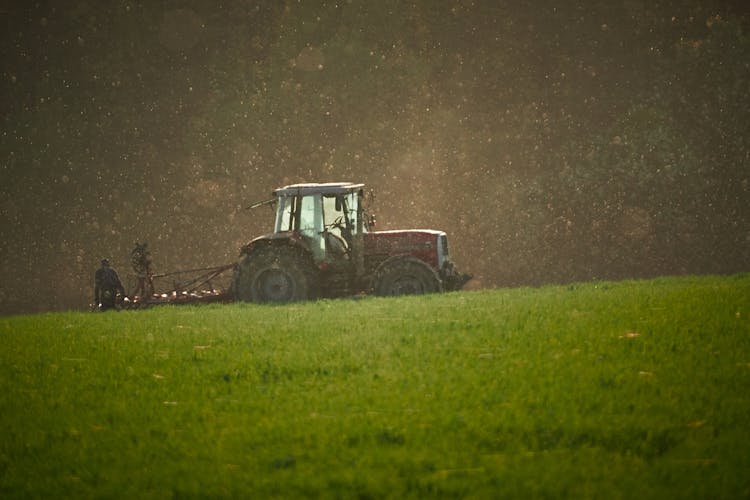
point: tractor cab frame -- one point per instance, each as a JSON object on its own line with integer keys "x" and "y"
{"x": 330, "y": 217}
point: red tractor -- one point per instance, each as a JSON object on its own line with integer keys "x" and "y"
{"x": 322, "y": 246}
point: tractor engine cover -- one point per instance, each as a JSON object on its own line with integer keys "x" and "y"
{"x": 427, "y": 245}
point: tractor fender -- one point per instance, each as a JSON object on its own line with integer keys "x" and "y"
{"x": 291, "y": 238}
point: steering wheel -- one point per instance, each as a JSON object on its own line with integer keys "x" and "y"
{"x": 338, "y": 223}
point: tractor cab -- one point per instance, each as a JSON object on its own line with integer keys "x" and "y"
{"x": 328, "y": 217}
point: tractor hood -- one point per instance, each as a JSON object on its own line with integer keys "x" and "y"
{"x": 425, "y": 244}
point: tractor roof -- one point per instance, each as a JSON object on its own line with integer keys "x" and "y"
{"x": 324, "y": 188}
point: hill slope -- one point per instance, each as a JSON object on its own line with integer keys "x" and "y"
{"x": 623, "y": 389}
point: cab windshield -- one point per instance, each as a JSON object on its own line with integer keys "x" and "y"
{"x": 316, "y": 212}
{"x": 340, "y": 214}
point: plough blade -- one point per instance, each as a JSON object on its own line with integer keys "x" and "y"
{"x": 200, "y": 289}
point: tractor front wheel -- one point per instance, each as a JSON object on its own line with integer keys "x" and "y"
{"x": 405, "y": 276}
{"x": 275, "y": 274}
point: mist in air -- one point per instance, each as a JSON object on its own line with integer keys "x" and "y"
{"x": 553, "y": 144}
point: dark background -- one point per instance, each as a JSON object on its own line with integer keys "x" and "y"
{"x": 553, "y": 143}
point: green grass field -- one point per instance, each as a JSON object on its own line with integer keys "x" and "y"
{"x": 636, "y": 389}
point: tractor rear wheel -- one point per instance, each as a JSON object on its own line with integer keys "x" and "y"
{"x": 275, "y": 274}
{"x": 405, "y": 276}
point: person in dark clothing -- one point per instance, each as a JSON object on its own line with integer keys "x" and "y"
{"x": 140, "y": 258}
{"x": 106, "y": 285}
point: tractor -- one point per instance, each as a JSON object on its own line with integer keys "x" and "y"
{"x": 323, "y": 245}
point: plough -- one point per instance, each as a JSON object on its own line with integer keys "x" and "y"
{"x": 205, "y": 285}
